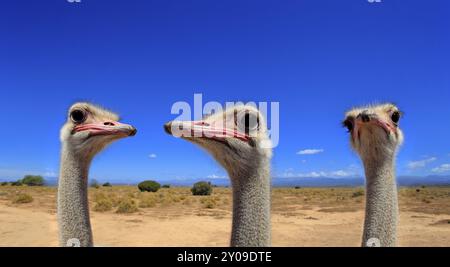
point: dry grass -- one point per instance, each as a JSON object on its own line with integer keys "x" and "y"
{"x": 22, "y": 199}
{"x": 103, "y": 205}
{"x": 300, "y": 217}
{"x": 127, "y": 205}
{"x": 179, "y": 200}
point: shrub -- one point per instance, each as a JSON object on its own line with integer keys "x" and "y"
{"x": 16, "y": 183}
{"x": 297, "y": 187}
{"x": 98, "y": 196}
{"x": 115, "y": 199}
{"x": 149, "y": 186}
{"x": 4, "y": 183}
{"x": 209, "y": 203}
{"x": 202, "y": 189}
{"x": 358, "y": 193}
{"x": 147, "y": 202}
{"x": 127, "y": 206}
{"x": 33, "y": 180}
{"x": 103, "y": 205}
{"x": 132, "y": 194}
{"x": 107, "y": 184}
{"x": 22, "y": 198}
{"x": 166, "y": 186}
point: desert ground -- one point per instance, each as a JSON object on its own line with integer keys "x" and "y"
{"x": 123, "y": 216}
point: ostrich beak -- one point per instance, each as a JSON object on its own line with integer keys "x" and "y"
{"x": 201, "y": 129}
{"x": 373, "y": 120}
{"x": 107, "y": 128}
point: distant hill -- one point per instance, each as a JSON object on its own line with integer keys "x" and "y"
{"x": 293, "y": 181}
{"x": 358, "y": 181}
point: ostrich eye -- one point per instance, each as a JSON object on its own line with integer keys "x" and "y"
{"x": 248, "y": 122}
{"x": 348, "y": 123}
{"x": 77, "y": 116}
{"x": 395, "y": 117}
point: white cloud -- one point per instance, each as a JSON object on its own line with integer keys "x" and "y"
{"x": 152, "y": 156}
{"x": 310, "y": 151}
{"x": 214, "y": 176}
{"x": 321, "y": 174}
{"x": 413, "y": 165}
{"x": 441, "y": 169}
{"x": 342, "y": 173}
{"x": 287, "y": 174}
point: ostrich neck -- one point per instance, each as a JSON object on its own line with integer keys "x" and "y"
{"x": 251, "y": 207}
{"x": 73, "y": 207}
{"x": 381, "y": 202}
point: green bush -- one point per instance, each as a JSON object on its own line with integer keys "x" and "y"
{"x": 33, "y": 180}
{"x": 202, "y": 189}
{"x": 166, "y": 186}
{"x": 16, "y": 183}
{"x": 149, "y": 186}
{"x": 107, "y": 184}
{"x": 4, "y": 183}
{"x": 127, "y": 206}
{"x": 22, "y": 198}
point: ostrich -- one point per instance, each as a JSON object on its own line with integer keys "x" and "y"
{"x": 87, "y": 131}
{"x": 238, "y": 140}
{"x": 376, "y": 136}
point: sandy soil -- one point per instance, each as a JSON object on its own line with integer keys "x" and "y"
{"x": 22, "y": 227}
{"x": 303, "y": 217}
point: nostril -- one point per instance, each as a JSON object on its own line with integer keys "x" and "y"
{"x": 108, "y": 123}
{"x": 365, "y": 117}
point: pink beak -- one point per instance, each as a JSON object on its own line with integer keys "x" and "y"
{"x": 385, "y": 126}
{"x": 202, "y": 129}
{"x": 107, "y": 128}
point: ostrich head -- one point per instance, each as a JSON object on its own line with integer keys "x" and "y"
{"x": 237, "y": 137}
{"x": 90, "y": 128}
{"x": 374, "y": 130}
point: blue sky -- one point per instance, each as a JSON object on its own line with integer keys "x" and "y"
{"x": 317, "y": 58}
